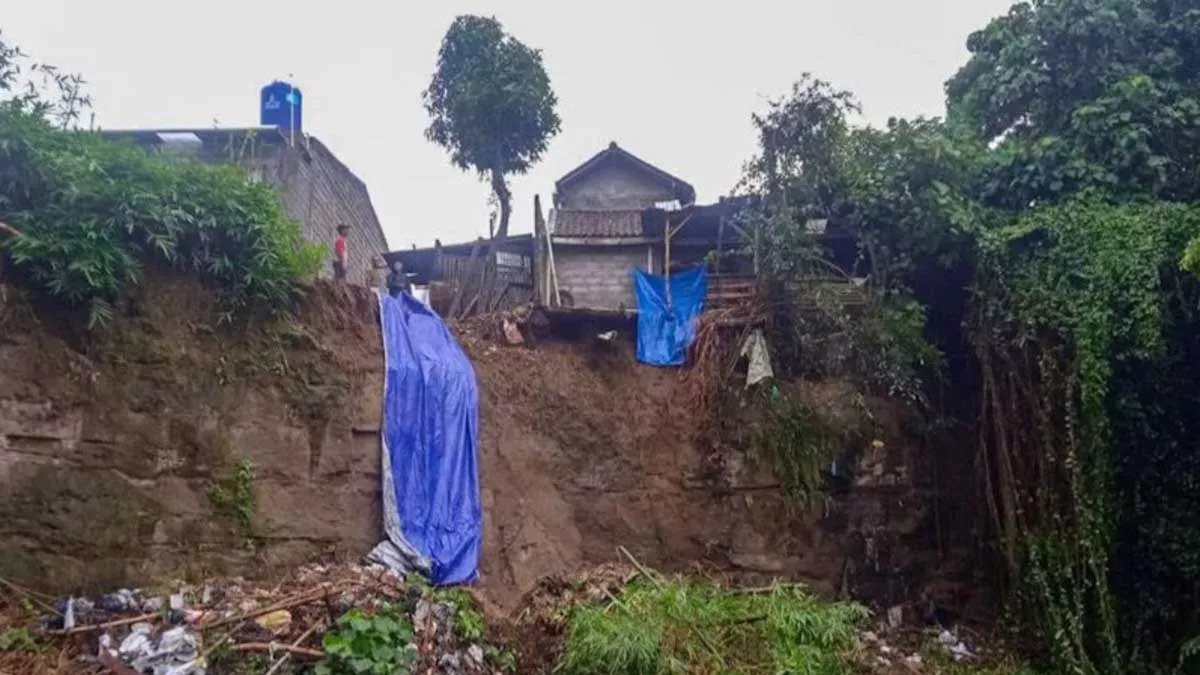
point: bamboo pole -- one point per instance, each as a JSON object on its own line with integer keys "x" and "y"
{"x": 550, "y": 256}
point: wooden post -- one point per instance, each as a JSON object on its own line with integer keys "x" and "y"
{"x": 550, "y": 258}
{"x": 669, "y": 232}
{"x": 539, "y": 261}
{"x": 667, "y": 262}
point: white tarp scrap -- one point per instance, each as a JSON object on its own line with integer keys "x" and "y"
{"x": 755, "y": 349}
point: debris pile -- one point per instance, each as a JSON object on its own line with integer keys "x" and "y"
{"x": 209, "y": 627}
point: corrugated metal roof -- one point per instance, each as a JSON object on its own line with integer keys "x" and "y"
{"x": 598, "y": 224}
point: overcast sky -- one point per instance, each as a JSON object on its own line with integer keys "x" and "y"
{"x": 673, "y": 81}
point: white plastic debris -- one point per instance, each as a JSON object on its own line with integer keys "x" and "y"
{"x": 69, "y": 615}
{"x": 755, "y": 350}
{"x": 957, "y": 649}
{"x": 175, "y": 652}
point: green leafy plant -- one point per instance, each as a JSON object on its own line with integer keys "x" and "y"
{"x": 697, "y": 627}
{"x": 380, "y": 643}
{"x": 233, "y": 498}
{"x": 18, "y": 640}
{"x": 801, "y": 442}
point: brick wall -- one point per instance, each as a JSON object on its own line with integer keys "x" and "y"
{"x": 320, "y": 192}
{"x": 600, "y": 277}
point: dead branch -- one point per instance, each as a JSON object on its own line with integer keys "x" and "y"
{"x": 107, "y": 624}
{"x": 276, "y": 647}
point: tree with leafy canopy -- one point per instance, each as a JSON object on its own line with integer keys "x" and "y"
{"x": 1081, "y": 94}
{"x": 492, "y": 107}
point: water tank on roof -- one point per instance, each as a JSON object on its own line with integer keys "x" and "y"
{"x": 280, "y": 106}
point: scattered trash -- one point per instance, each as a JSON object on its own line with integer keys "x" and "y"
{"x": 955, "y": 647}
{"x": 275, "y": 622}
{"x": 234, "y": 618}
{"x": 122, "y": 600}
{"x": 69, "y": 615}
{"x": 176, "y": 651}
{"x": 512, "y": 334}
{"x": 895, "y": 616}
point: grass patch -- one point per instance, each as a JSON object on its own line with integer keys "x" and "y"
{"x": 699, "y": 627}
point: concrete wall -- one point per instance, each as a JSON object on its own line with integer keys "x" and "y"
{"x": 601, "y": 277}
{"x": 614, "y": 186}
{"x": 321, "y": 192}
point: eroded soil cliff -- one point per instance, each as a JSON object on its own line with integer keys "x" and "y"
{"x": 113, "y": 443}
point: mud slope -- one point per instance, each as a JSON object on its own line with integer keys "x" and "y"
{"x": 111, "y": 447}
{"x": 583, "y": 451}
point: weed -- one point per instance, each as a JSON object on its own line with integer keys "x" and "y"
{"x": 468, "y": 622}
{"x": 233, "y": 498}
{"x": 802, "y": 443}
{"x": 500, "y": 658}
{"x": 369, "y": 644}
{"x": 18, "y": 640}
{"x": 686, "y": 627}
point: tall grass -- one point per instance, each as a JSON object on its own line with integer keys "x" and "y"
{"x": 699, "y": 627}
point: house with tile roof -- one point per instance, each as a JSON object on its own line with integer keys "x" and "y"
{"x": 616, "y": 213}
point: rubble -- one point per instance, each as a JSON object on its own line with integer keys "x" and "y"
{"x": 187, "y": 628}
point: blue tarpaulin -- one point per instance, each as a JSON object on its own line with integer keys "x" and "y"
{"x": 666, "y": 329}
{"x": 432, "y": 515}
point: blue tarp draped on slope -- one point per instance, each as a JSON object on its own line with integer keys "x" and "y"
{"x": 432, "y": 514}
{"x": 665, "y": 330}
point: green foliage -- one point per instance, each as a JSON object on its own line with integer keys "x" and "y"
{"x": 380, "y": 643}
{"x": 800, "y": 138}
{"x": 469, "y": 623}
{"x": 701, "y": 628}
{"x": 500, "y": 658}
{"x": 1082, "y": 323}
{"x": 898, "y": 192}
{"x": 1085, "y": 94}
{"x": 233, "y": 498}
{"x": 18, "y": 640}
{"x": 1191, "y": 257}
{"x": 802, "y": 442}
{"x": 1085, "y": 290}
{"x": 491, "y": 105}
{"x": 92, "y": 212}
{"x": 490, "y": 99}
{"x": 1189, "y": 650}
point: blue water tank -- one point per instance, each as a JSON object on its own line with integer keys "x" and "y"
{"x": 281, "y": 106}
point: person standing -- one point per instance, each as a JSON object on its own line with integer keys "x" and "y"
{"x": 397, "y": 280}
{"x": 340, "y": 257}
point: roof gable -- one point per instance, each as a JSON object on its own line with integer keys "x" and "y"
{"x": 682, "y": 190}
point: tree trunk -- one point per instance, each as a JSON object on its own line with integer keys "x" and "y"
{"x": 504, "y": 196}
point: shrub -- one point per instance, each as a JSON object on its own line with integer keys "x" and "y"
{"x": 92, "y": 212}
